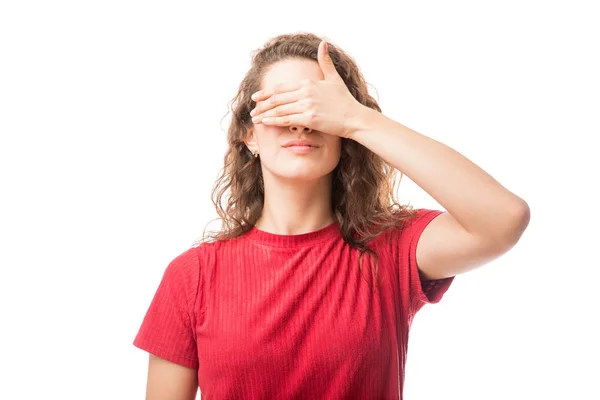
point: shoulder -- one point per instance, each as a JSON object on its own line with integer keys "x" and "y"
{"x": 207, "y": 254}
{"x": 208, "y": 248}
{"x": 407, "y": 227}
{"x": 183, "y": 271}
{"x": 413, "y": 224}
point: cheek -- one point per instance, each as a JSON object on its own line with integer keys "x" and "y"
{"x": 332, "y": 155}
{"x": 266, "y": 137}
{"x": 336, "y": 146}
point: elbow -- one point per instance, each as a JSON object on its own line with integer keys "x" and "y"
{"x": 519, "y": 217}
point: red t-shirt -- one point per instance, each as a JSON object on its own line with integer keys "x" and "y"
{"x": 291, "y": 316}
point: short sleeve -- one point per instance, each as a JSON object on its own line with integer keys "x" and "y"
{"x": 168, "y": 328}
{"x": 420, "y": 292}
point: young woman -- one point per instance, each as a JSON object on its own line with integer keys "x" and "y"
{"x": 311, "y": 286}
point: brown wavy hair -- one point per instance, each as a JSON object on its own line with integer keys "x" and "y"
{"x": 363, "y": 193}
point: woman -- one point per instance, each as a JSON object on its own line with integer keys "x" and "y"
{"x": 311, "y": 286}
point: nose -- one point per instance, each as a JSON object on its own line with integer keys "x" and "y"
{"x": 300, "y": 128}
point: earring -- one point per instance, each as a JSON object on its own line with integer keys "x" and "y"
{"x": 255, "y": 153}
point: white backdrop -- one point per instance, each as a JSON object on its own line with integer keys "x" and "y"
{"x": 112, "y": 134}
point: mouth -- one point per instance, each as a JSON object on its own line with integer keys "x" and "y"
{"x": 299, "y": 148}
{"x": 300, "y": 144}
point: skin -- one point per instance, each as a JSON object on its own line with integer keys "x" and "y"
{"x": 297, "y": 186}
{"x": 170, "y": 381}
{"x": 297, "y": 193}
{"x": 483, "y": 220}
{"x": 307, "y": 99}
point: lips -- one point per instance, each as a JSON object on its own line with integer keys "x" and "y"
{"x": 300, "y": 143}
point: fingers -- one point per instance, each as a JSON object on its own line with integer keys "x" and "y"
{"x": 286, "y": 120}
{"x": 275, "y": 101}
{"x": 279, "y": 111}
{"x": 278, "y": 88}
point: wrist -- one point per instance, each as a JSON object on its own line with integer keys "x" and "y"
{"x": 360, "y": 121}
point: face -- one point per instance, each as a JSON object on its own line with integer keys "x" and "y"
{"x": 272, "y": 142}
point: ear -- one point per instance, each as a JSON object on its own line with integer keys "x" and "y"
{"x": 250, "y": 140}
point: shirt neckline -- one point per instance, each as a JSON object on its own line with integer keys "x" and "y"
{"x": 299, "y": 240}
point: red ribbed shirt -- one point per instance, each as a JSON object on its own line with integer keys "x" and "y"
{"x": 268, "y": 316}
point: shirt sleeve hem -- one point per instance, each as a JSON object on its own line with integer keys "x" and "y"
{"x": 427, "y": 291}
{"x": 166, "y": 354}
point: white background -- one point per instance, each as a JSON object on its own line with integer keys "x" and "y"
{"x": 113, "y": 117}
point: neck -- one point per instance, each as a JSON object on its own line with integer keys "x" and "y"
{"x": 294, "y": 207}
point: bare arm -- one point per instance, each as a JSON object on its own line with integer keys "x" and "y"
{"x": 170, "y": 381}
{"x": 484, "y": 219}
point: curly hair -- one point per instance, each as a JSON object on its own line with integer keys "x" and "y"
{"x": 363, "y": 190}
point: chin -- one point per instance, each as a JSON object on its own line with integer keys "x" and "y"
{"x": 300, "y": 169}
{"x": 301, "y": 175}
{"x": 302, "y": 172}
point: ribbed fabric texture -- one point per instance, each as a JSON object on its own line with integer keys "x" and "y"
{"x": 269, "y": 316}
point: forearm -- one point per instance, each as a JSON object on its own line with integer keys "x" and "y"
{"x": 475, "y": 199}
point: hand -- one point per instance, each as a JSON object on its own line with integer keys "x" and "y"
{"x": 324, "y": 105}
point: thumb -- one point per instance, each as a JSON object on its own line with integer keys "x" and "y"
{"x": 326, "y": 63}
